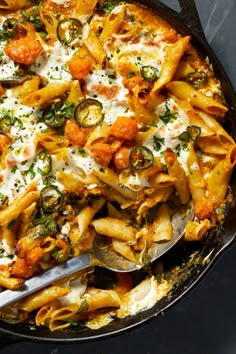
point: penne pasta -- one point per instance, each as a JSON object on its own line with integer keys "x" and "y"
{"x": 196, "y": 230}
{"x": 42, "y": 297}
{"x": 115, "y": 228}
{"x": 124, "y": 249}
{"x": 10, "y": 283}
{"x": 220, "y": 177}
{"x": 173, "y": 54}
{"x": 86, "y": 215}
{"x": 110, "y": 123}
{"x": 195, "y": 177}
{"x": 112, "y": 23}
{"x": 94, "y": 46}
{"x": 19, "y": 205}
{"x": 176, "y": 170}
{"x": 184, "y": 91}
{"x": 14, "y": 4}
{"x": 46, "y": 94}
{"x": 84, "y": 7}
{"x": 161, "y": 230}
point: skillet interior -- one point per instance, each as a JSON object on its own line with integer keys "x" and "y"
{"x": 193, "y": 259}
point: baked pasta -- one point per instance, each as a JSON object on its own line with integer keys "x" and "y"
{"x": 109, "y": 122}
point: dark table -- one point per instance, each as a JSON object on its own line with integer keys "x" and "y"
{"x": 204, "y": 322}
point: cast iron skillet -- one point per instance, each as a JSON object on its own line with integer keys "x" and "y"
{"x": 194, "y": 259}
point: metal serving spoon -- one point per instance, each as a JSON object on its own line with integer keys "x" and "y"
{"x": 101, "y": 255}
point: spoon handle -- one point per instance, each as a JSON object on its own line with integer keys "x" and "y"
{"x": 38, "y": 282}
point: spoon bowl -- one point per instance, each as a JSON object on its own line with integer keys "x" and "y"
{"x": 101, "y": 255}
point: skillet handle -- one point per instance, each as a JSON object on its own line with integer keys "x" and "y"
{"x": 7, "y": 340}
{"x": 190, "y": 16}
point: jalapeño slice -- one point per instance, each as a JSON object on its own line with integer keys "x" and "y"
{"x": 51, "y": 199}
{"x": 53, "y": 117}
{"x": 149, "y": 73}
{"x": 68, "y": 30}
{"x": 197, "y": 78}
{"x": 5, "y": 124}
{"x": 45, "y": 161}
{"x": 56, "y": 121}
{"x": 88, "y": 113}
{"x": 141, "y": 158}
{"x": 10, "y": 26}
{"x": 194, "y": 132}
{"x": 44, "y": 226}
{"x": 184, "y": 137}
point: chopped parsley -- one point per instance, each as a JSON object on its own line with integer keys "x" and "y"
{"x": 158, "y": 142}
{"x": 131, "y": 73}
{"x": 138, "y": 61}
{"x": 108, "y": 6}
{"x": 83, "y": 307}
{"x": 180, "y": 147}
{"x": 168, "y": 116}
{"x": 43, "y": 34}
{"x": 33, "y": 17}
{"x": 56, "y": 114}
{"x": 82, "y": 151}
{"x": 20, "y": 124}
{"x": 65, "y": 68}
{"x": 153, "y": 123}
{"x": 14, "y": 169}
{"x": 3, "y": 254}
{"x": 11, "y": 223}
{"x": 56, "y": 253}
{"x": 72, "y": 322}
{"x": 30, "y": 171}
{"x": 112, "y": 76}
{"x": 199, "y": 155}
{"x": 132, "y": 20}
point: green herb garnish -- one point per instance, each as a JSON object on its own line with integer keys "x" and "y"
{"x": 168, "y": 116}
{"x": 158, "y": 142}
{"x": 72, "y": 322}
{"x": 108, "y": 6}
{"x": 30, "y": 171}
{"x": 83, "y": 307}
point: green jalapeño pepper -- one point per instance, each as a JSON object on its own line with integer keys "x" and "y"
{"x": 44, "y": 160}
{"x": 140, "y": 158}
{"x": 9, "y": 27}
{"x": 88, "y": 113}
{"x": 68, "y": 30}
{"x": 149, "y": 73}
{"x": 197, "y": 78}
{"x": 51, "y": 199}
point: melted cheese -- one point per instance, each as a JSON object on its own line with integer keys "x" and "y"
{"x": 50, "y": 64}
{"x": 168, "y": 133}
{"x": 132, "y": 180}
{"x": 107, "y": 87}
{"x": 78, "y": 288}
{"x": 142, "y": 297}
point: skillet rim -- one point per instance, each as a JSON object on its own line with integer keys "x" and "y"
{"x": 182, "y": 22}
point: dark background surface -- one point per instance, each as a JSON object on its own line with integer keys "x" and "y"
{"x": 204, "y": 322}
